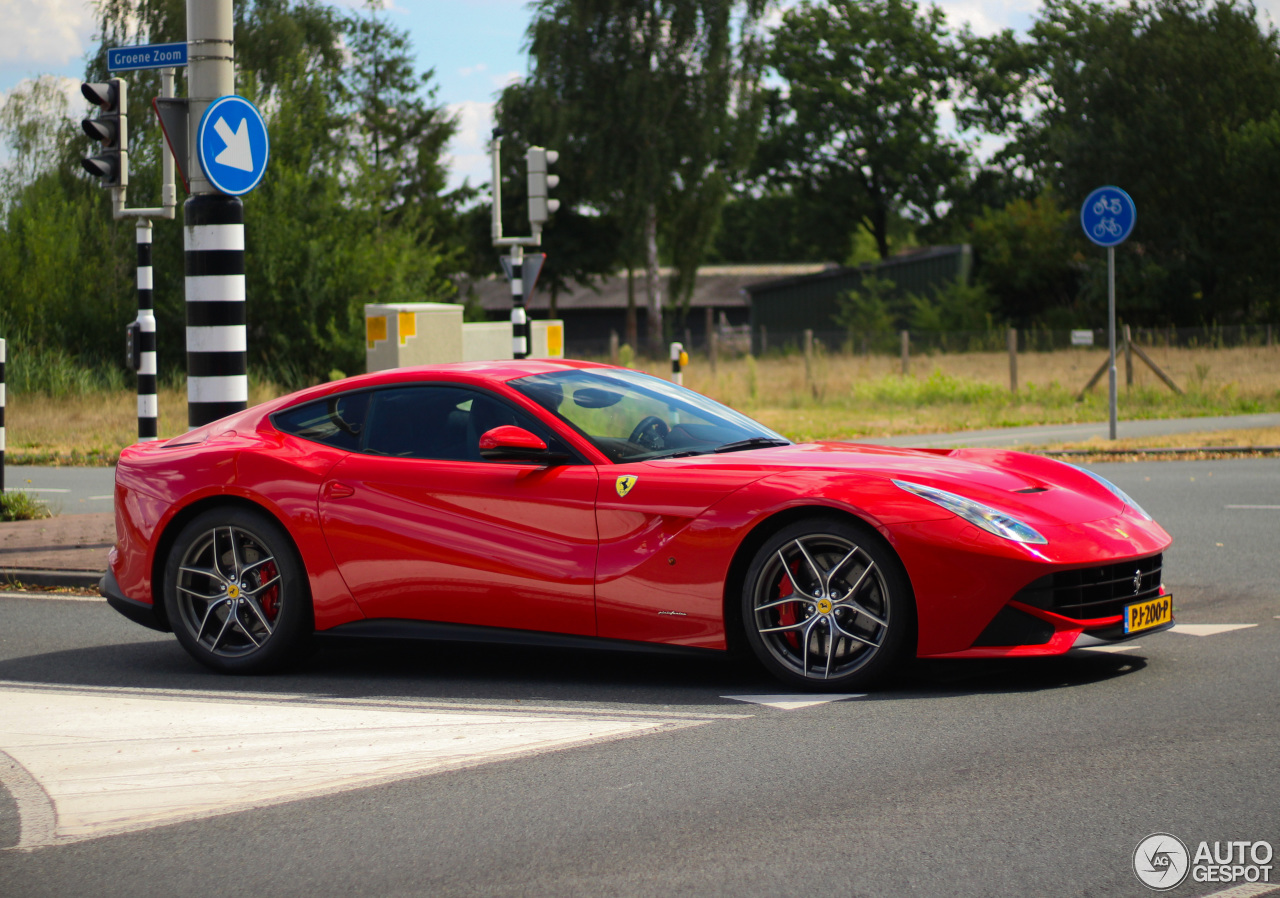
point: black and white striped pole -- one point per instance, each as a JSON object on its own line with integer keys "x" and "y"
{"x": 679, "y": 358}
{"x": 145, "y": 350}
{"x": 519, "y": 317}
{"x": 217, "y": 368}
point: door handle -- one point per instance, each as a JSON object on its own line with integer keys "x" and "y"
{"x": 335, "y": 490}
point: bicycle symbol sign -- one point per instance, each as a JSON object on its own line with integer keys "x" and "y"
{"x": 1108, "y": 216}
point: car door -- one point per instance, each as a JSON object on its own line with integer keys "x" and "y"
{"x": 422, "y": 528}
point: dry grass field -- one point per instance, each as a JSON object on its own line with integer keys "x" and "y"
{"x": 842, "y": 397}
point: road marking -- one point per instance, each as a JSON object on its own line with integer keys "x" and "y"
{"x": 1269, "y": 507}
{"x": 47, "y": 596}
{"x": 792, "y": 702}
{"x": 33, "y": 489}
{"x": 1208, "y": 629}
{"x": 1247, "y": 890}
{"x": 1109, "y": 649}
{"x": 86, "y": 763}
{"x": 96, "y": 498}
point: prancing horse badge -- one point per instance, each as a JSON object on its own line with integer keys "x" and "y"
{"x": 625, "y": 483}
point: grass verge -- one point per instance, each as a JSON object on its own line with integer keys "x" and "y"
{"x": 22, "y": 506}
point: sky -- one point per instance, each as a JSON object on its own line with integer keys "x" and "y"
{"x": 474, "y": 46}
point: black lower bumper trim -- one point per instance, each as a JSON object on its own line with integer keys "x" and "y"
{"x": 138, "y": 612}
{"x": 394, "y": 628}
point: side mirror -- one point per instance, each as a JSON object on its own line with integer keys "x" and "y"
{"x": 511, "y": 443}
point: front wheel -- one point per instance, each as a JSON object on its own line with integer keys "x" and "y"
{"x": 236, "y": 592}
{"x": 827, "y": 606}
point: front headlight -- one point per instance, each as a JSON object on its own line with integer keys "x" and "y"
{"x": 989, "y": 519}
{"x": 1117, "y": 492}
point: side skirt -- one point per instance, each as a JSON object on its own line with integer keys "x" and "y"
{"x": 442, "y": 632}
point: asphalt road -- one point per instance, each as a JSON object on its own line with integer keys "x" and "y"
{"x": 966, "y": 779}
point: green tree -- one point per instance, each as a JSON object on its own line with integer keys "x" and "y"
{"x": 855, "y": 126}
{"x": 658, "y": 99}
{"x": 1159, "y": 98}
{"x": 1028, "y": 256}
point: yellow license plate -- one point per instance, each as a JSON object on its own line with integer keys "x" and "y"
{"x": 1145, "y": 615}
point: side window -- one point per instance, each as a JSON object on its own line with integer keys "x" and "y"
{"x": 438, "y": 422}
{"x": 337, "y": 421}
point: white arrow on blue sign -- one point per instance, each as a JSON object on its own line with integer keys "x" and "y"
{"x": 232, "y": 145}
{"x": 1108, "y": 216}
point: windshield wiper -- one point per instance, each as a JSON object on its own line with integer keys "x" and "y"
{"x": 752, "y": 443}
{"x": 680, "y": 453}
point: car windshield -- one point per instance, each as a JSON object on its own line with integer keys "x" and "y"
{"x": 631, "y": 416}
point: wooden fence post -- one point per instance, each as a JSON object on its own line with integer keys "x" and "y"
{"x": 906, "y": 352}
{"x": 613, "y": 347}
{"x": 1013, "y": 359}
{"x": 711, "y": 338}
{"x": 808, "y": 359}
{"x": 1128, "y": 359}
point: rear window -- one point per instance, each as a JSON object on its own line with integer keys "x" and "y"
{"x": 335, "y": 421}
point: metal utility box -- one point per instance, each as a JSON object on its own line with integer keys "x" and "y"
{"x": 415, "y": 333}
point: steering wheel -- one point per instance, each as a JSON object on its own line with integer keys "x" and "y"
{"x": 650, "y": 433}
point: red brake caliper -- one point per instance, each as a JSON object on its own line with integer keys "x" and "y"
{"x": 271, "y": 598}
{"x": 787, "y": 613}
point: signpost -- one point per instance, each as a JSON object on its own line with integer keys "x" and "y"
{"x": 1108, "y": 216}
{"x": 141, "y": 334}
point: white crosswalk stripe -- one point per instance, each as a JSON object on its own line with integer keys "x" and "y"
{"x": 1208, "y": 629}
{"x": 792, "y": 702}
{"x": 85, "y": 763}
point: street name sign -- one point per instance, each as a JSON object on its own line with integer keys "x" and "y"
{"x": 1108, "y": 215}
{"x": 232, "y": 145}
{"x": 146, "y": 56}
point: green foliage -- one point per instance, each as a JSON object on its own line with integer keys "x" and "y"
{"x": 866, "y": 310}
{"x": 351, "y": 210}
{"x": 956, "y": 306}
{"x": 1027, "y": 256}
{"x": 653, "y": 104}
{"x": 21, "y": 506}
{"x": 1161, "y": 98}
{"x": 856, "y": 127}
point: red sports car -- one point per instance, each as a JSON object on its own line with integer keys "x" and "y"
{"x": 570, "y": 503}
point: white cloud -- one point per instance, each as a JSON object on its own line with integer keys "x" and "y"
{"x": 468, "y": 153}
{"x": 470, "y": 70}
{"x": 510, "y": 78}
{"x": 44, "y": 33}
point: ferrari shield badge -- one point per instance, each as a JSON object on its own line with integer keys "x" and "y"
{"x": 625, "y": 483}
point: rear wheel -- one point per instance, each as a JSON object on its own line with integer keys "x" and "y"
{"x": 827, "y": 606}
{"x": 236, "y": 593}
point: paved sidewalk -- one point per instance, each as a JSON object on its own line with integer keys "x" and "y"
{"x": 65, "y": 550}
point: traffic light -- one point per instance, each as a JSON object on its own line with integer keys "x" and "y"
{"x": 111, "y": 129}
{"x": 536, "y": 162}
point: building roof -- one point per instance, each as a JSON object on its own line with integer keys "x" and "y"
{"x": 717, "y": 287}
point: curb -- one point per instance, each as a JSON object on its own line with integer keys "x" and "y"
{"x": 38, "y": 577}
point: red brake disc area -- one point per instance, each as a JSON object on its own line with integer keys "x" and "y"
{"x": 271, "y": 598}
{"x": 787, "y": 613}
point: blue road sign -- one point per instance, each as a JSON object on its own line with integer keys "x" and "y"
{"x": 232, "y": 145}
{"x": 146, "y": 56}
{"x": 1108, "y": 216}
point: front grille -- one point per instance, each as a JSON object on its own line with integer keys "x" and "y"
{"x": 1094, "y": 592}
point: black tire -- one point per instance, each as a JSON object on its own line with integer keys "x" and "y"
{"x": 236, "y": 592}
{"x": 851, "y": 617}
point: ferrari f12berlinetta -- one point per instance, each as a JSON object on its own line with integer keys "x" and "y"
{"x": 571, "y": 503}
